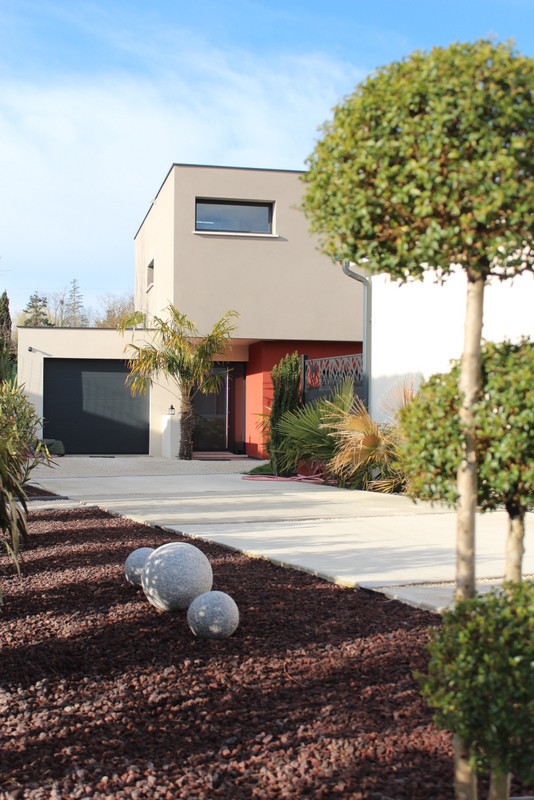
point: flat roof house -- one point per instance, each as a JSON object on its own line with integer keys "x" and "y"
{"x": 214, "y": 239}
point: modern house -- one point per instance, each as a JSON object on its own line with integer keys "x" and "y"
{"x": 214, "y": 239}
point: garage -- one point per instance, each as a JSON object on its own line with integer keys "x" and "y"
{"x": 87, "y": 405}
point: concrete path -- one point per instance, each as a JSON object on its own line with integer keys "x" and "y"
{"x": 381, "y": 542}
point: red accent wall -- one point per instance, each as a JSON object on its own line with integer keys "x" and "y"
{"x": 259, "y": 390}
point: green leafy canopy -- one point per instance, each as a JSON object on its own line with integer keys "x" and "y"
{"x": 481, "y": 678}
{"x": 431, "y": 447}
{"x": 430, "y": 163}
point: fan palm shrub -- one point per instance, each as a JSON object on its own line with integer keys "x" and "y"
{"x": 180, "y": 354}
{"x": 366, "y": 452}
{"x": 338, "y": 434}
{"x": 306, "y": 431}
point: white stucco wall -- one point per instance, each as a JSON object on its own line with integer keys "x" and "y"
{"x": 417, "y": 328}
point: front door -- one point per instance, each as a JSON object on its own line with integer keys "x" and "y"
{"x": 219, "y": 418}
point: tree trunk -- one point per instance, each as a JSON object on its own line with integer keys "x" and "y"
{"x": 499, "y": 786}
{"x": 515, "y": 547}
{"x": 187, "y": 424}
{"x": 467, "y": 474}
{"x": 465, "y": 779}
{"x": 465, "y": 783}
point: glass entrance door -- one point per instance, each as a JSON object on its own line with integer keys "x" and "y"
{"x": 211, "y": 418}
{"x": 219, "y": 418}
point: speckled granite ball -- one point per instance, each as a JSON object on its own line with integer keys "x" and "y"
{"x": 134, "y": 565}
{"x": 213, "y": 615}
{"x": 174, "y": 574}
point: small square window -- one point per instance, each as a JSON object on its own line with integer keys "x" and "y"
{"x": 150, "y": 275}
{"x": 233, "y": 216}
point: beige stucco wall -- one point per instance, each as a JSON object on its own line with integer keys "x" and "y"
{"x": 83, "y": 343}
{"x": 98, "y": 343}
{"x": 156, "y": 244}
{"x": 280, "y": 285}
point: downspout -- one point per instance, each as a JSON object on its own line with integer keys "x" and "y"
{"x": 366, "y": 344}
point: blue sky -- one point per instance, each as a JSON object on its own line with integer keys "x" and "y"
{"x": 98, "y": 99}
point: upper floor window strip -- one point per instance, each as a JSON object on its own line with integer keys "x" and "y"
{"x": 233, "y": 216}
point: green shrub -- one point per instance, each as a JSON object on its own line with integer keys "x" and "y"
{"x": 432, "y": 445}
{"x": 55, "y": 447}
{"x": 480, "y": 678}
{"x": 285, "y": 378}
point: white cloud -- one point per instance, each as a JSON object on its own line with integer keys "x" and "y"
{"x": 82, "y": 158}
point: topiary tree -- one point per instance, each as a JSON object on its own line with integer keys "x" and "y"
{"x": 429, "y": 164}
{"x": 179, "y": 353}
{"x": 481, "y": 682}
{"x": 431, "y": 445}
{"x": 285, "y": 377}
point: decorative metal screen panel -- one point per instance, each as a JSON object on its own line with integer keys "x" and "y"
{"x": 322, "y": 375}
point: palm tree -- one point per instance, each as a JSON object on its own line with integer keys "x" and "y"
{"x": 180, "y": 354}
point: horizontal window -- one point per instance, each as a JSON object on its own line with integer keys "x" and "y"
{"x": 233, "y": 216}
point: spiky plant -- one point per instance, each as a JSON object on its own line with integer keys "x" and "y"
{"x": 179, "y": 353}
{"x": 306, "y": 433}
{"x": 366, "y": 452}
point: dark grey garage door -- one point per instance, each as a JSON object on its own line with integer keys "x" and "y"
{"x": 88, "y": 407}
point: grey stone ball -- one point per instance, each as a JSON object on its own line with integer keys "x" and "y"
{"x": 213, "y": 615}
{"x": 174, "y": 574}
{"x": 134, "y": 565}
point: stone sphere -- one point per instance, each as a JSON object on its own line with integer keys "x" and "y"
{"x": 174, "y": 574}
{"x": 213, "y": 615}
{"x": 134, "y": 565}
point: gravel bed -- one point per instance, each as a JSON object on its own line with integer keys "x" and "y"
{"x": 102, "y": 696}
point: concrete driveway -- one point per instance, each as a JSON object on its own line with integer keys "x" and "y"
{"x": 381, "y": 542}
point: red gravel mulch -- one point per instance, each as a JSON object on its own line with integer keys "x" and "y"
{"x": 102, "y": 696}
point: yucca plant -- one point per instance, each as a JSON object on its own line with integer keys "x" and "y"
{"x": 19, "y": 424}
{"x": 12, "y": 506}
{"x": 19, "y": 454}
{"x": 12, "y": 501}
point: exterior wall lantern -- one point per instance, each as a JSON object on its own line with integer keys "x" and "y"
{"x": 171, "y": 412}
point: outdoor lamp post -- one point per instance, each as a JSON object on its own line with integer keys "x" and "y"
{"x": 366, "y": 343}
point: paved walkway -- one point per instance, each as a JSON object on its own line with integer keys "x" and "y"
{"x": 381, "y": 542}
